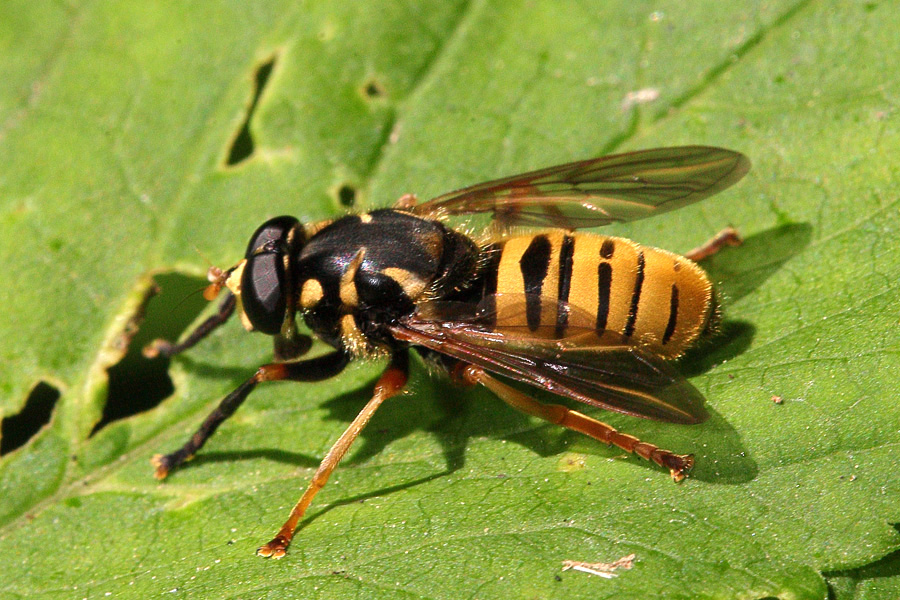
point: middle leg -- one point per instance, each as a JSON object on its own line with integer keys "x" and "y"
{"x": 727, "y": 237}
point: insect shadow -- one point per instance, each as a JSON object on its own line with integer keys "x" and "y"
{"x": 737, "y": 272}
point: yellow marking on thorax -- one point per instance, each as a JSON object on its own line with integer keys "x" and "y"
{"x": 311, "y": 293}
{"x": 412, "y": 284}
{"x": 347, "y": 288}
{"x": 311, "y": 229}
{"x": 353, "y": 339}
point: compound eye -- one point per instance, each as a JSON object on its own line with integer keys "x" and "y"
{"x": 264, "y": 282}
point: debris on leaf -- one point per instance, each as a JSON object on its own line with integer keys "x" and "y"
{"x": 605, "y": 570}
{"x": 642, "y": 96}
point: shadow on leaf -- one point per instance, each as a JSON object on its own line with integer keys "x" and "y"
{"x": 236, "y": 374}
{"x": 740, "y": 270}
{"x": 732, "y": 340}
{"x": 272, "y": 454}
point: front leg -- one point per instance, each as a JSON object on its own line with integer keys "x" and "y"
{"x": 391, "y": 383}
{"x": 169, "y": 349}
{"x": 314, "y": 369}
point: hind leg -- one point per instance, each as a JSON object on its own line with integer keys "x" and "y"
{"x": 727, "y": 237}
{"x": 678, "y": 464}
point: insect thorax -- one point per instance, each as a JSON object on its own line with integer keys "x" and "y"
{"x": 362, "y": 272}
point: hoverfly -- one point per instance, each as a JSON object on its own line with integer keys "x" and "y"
{"x": 588, "y": 317}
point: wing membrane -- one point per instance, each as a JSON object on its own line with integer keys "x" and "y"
{"x": 590, "y": 193}
{"x": 581, "y": 365}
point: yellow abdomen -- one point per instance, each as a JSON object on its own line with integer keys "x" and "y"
{"x": 637, "y": 295}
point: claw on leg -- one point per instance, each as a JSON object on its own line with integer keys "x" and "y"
{"x": 161, "y": 468}
{"x": 274, "y": 549}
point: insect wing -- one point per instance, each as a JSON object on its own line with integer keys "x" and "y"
{"x": 581, "y": 365}
{"x": 590, "y": 193}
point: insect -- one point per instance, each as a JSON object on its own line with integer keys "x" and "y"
{"x": 588, "y": 317}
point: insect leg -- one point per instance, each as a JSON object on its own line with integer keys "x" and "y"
{"x": 167, "y": 349}
{"x": 391, "y": 383}
{"x": 406, "y": 202}
{"x": 314, "y": 369}
{"x": 678, "y": 464}
{"x": 727, "y": 237}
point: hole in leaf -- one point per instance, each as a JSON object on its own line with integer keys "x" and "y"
{"x": 17, "y": 429}
{"x": 242, "y": 145}
{"x": 373, "y": 89}
{"x": 347, "y": 195}
{"x": 137, "y": 383}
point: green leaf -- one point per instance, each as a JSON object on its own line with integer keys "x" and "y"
{"x": 117, "y": 123}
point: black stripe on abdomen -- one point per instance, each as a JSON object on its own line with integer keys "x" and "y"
{"x": 566, "y": 253}
{"x": 535, "y": 263}
{"x": 607, "y": 249}
{"x": 635, "y": 296}
{"x": 673, "y": 316}
{"x": 604, "y": 281}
